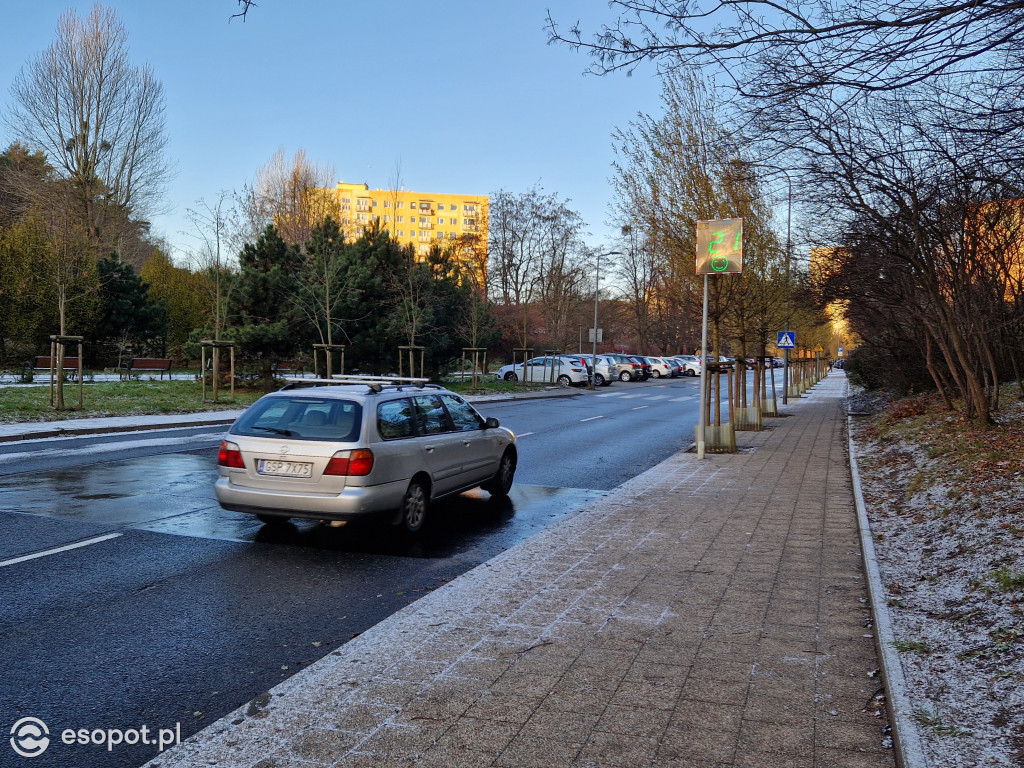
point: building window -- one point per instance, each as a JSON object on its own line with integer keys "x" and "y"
{"x": 400, "y": 219}
{"x": 401, "y": 204}
{"x": 387, "y": 203}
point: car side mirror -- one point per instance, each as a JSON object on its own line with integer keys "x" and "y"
{"x": 492, "y": 423}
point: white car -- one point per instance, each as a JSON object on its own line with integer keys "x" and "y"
{"x": 564, "y": 372}
{"x": 691, "y": 364}
{"x": 659, "y": 368}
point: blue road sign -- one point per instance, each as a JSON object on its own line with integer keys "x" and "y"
{"x": 787, "y": 340}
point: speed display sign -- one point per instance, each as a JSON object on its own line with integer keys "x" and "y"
{"x": 720, "y": 247}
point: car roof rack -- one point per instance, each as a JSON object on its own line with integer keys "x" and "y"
{"x": 375, "y": 383}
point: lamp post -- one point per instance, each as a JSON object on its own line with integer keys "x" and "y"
{"x": 597, "y": 285}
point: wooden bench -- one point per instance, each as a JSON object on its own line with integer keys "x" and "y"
{"x": 161, "y": 365}
{"x": 283, "y": 367}
{"x": 45, "y": 363}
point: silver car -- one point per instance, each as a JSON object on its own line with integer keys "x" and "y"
{"x": 605, "y": 372}
{"x": 353, "y": 447}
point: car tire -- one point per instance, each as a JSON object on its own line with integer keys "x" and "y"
{"x": 564, "y": 381}
{"x": 500, "y": 485}
{"x": 511, "y": 376}
{"x": 689, "y": 372}
{"x": 413, "y": 512}
{"x": 625, "y": 376}
{"x": 599, "y": 380}
{"x": 656, "y": 374}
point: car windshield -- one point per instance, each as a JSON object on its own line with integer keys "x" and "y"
{"x": 301, "y": 418}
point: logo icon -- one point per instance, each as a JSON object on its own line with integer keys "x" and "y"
{"x": 30, "y": 737}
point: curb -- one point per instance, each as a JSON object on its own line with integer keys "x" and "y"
{"x": 907, "y": 744}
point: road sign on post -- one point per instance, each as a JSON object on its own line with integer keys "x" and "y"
{"x": 720, "y": 247}
{"x": 787, "y": 340}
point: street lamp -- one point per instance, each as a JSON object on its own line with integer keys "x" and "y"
{"x": 597, "y": 284}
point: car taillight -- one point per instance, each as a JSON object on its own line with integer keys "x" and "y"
{"x": 230, "y": 456}
{"x": 350, "y": 463}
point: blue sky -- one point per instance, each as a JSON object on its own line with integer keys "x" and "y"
{"x": 463, "y": 96}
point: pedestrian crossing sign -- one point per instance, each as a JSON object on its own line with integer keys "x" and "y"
{"x": 787, "y": 340}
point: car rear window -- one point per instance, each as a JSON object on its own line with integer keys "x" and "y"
{"x": 302, "y": 418}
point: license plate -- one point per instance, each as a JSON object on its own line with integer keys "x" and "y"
{"x": 284, "y": 468}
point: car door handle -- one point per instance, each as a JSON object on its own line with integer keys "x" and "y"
{"x": 429, "y": 448}
{"x": 467, "y": 443}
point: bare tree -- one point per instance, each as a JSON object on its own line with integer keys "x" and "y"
{"x": 673, "y": 170}
{"x": 215, "y": 244}
{"x": 98, "y": 119}
{"x": 536, "y": 257}
{"x": 294, "y": 194}
{"x": 772, "y": 49}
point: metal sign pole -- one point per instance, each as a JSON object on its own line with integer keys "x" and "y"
{"x": 702, "y": 421}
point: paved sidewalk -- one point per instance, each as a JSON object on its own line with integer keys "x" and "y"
{"x": 705, "y": 614}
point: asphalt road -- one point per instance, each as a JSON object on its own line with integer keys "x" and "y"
{"x": 173, "y": 612}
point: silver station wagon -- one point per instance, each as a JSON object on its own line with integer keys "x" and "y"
{"x": 349, "y": 447}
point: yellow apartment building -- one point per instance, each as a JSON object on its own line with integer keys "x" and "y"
{"x": 419, "y": 219}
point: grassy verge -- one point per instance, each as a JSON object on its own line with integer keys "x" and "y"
{"x": 116, "y": 398}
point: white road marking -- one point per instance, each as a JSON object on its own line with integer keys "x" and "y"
{"x": 523, "y": 434}
{"x": 592, "y": 418}
{"x": 639, "y": 407}
{"x": 57, "y": 550}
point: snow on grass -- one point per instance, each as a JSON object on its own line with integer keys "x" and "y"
{"x": 946, "y": 505}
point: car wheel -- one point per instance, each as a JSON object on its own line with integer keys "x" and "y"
{"x": 599, "y": 380}
{"x": 272, "y": 519}
{"x": 689, "y": 372}
{"x": 510, "y": 376}
{"x": 501, "y": 483}
{"x": 656, "y": 374}
{"x": 564, "y": 381}
{"x": 625, "y": 376}
{"x": 414, "y": 507}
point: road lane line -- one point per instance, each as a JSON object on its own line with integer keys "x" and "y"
{"x": 523, "y": 434}
{"x": 592, "y": 418}
{"x": 58, "y": 550}
{"x": 639, "y": 407}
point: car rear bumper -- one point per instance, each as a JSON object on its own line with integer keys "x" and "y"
{"x": 351, "y": 503}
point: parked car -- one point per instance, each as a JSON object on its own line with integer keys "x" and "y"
{"x": 626, "y": 369}
{"x": 582, "y": 361}
{"x": 360, "y": 446}
{"x": 554, "y": 369}
{"x": 691, "y": 364}
{"x": 645, "y": 367}
{"x": 659, "y": 368}
{"x": 606, "y": 371}
{"x": 677, "y": 367}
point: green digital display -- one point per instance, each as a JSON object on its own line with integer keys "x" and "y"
{"x": 720, "y": 247}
